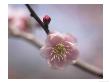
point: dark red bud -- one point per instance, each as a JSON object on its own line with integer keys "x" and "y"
{"x": 46, "y": 19}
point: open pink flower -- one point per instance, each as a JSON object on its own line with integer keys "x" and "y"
{"x": 19, "y": 20}
{"x": 60, "y": 49}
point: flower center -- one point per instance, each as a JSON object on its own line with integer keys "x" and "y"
{"x": 59, "y": 49}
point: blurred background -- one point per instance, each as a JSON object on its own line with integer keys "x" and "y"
{"x": 84, "y": 21}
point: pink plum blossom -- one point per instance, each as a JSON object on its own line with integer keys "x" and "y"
{"x": 18, "y": 19}
{"x": 60, "y": 49}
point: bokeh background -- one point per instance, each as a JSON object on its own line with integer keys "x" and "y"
{"x": 85, "y": 21}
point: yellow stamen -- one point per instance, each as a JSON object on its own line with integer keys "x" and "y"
{"x": 59, "y": 49}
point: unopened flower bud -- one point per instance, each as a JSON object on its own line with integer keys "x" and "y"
{"x": 46, "y": 19}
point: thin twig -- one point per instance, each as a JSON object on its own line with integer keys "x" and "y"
{"x": 88, "y": 68}
{"x": 34, "y": 15}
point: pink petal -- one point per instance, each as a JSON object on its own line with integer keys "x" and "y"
{"x": 56, "y": 63}
{"x": 74, "y": 53}
{"x": 70, "y": 38}
{"x": 46, "y": 52}
{"x": 54, "y": 39}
